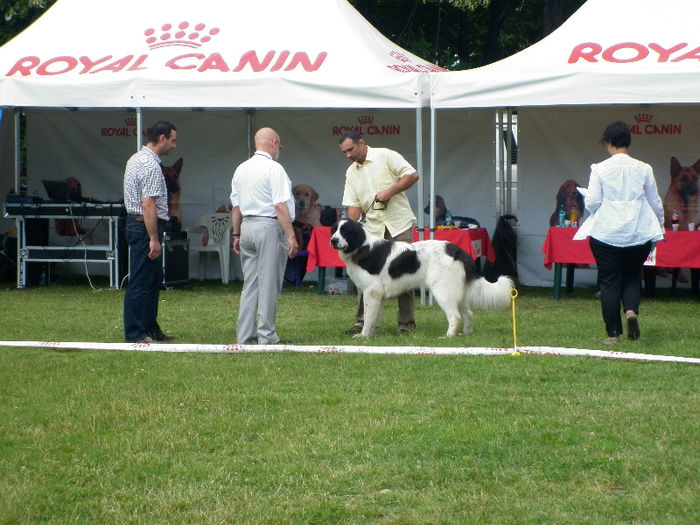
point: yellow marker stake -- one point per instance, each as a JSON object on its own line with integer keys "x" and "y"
{"x": 513, "y": 295}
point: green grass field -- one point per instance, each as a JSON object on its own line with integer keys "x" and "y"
{"x": 137, "y": 437}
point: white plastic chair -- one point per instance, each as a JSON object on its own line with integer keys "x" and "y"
{"x": 219, "y": 227}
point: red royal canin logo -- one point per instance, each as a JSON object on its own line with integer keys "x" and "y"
{"x": 193, "y": 36}
{"x": 182, "y": 35}
{"x": 643, "y": 125}
{"x": 366, "y": 126}
{"x": 626, "y": 52}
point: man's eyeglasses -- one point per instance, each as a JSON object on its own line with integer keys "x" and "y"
{"x": 379, "y": 206}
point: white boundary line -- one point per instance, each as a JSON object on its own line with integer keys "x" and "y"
{"x": 338, "y": 349}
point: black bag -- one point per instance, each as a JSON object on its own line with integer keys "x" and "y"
{"x": 505, "y": 244}
{"x": 329, "y": 216}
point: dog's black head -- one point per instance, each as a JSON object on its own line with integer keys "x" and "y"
{"x": 348, "y": 236}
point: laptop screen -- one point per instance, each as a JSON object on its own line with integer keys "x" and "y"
{"x": 57, "y": 190}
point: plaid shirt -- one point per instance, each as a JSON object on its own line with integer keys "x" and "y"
{"x": 143, "y": 177}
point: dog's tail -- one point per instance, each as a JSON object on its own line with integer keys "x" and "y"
{"x": 484, "y": 294}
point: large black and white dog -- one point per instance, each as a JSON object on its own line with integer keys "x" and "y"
{"x": 383, "y": 269}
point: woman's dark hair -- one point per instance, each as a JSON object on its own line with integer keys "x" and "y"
{"x": 617, "y": 135}
{"x": 162, "y": 127}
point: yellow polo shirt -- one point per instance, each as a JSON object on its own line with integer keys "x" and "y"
{"x": 381, "y": 169}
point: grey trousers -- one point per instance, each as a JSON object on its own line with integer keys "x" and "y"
{"x": 406, "y": 300}
{"x": 264, "y": 250}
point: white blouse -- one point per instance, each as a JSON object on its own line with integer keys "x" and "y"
{"x": 624, "y": 203}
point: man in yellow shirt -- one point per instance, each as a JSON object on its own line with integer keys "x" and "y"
{"x": 375, "y": 187}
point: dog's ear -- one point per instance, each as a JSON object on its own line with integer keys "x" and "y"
{"x": 561, "y": 194}
{"x": 675, "y": 167}
{"x": 696, "y": 166}
{"x": 314, "y": 194}
{"x": 178, "y": 165}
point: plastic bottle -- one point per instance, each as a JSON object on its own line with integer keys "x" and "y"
{"x": 573, "y": 218}
{"x": 562, "y": 216}
{"x": 675, "y": 220}
{"x": 448, "y": 218}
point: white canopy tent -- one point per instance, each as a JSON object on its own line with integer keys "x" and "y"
{"x": 631, "y": 60}
{"x": 207, "y": 54}
{"x": 621, "y": 52}
{"x": 228, "y": 66}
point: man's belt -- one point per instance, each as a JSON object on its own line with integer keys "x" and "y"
{"x": 139, "y": 218}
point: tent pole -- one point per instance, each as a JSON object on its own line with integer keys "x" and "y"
{"x": 17, "y": 148}
{"x": 249, "y": 116}
{"x": 19, "y": 221}
{"x": 419, "y": 167}
{"x": 431, "y": 196}
{"x": 500, "y": 146}
{"x": 432, "y": 172}
{"x": 509, "y": 163}
{"x": 139, "y": 129}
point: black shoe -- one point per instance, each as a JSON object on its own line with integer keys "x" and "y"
{"x": 162, "y": 338}
{"x": 407, "y": 328}
{"x": 632, "y": 328}
{"x": 144, "y": 341}
{"x": 355, "y": 329}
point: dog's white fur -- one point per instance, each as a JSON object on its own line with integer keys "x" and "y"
{"x": 384, "y": 269}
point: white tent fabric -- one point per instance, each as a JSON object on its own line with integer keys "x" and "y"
{"x": 268, "y": 53}
{"x": 631, "y": 60}
{"x": 619, "y": 52}
{"x": 217, "y": 70}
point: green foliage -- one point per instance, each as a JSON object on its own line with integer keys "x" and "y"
{"x": 136, "y": 437}
{"x": 462, "y": 34}
{"x": 18, "y": 14}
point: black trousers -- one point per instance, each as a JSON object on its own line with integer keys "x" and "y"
{"x": 619, "y": 277}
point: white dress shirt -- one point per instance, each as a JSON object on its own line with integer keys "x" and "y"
{"x": 624, "y": 203}
{"x": 258, "y": 184}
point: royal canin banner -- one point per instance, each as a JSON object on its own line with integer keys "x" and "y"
{"x": 608, "y": 52}
{"x": 270, "y": 53}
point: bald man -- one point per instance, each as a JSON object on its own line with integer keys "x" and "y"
{"x": 262, "y": 215}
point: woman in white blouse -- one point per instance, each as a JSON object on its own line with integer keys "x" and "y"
{"x": 626, "y": 219}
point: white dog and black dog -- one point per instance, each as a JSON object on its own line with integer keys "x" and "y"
{"x": 384, "y": 269}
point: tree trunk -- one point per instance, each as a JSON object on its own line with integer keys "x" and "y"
{"x": 551, "y": 16}
{"x": 496, "y": 14}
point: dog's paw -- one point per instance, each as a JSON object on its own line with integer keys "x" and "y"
{"x": 359, "y": 336}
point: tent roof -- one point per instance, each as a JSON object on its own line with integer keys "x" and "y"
{"x": 608, "y": 52}
{"x": 207, "y": 53}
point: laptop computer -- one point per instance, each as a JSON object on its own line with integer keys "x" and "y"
{"x": 57, "y": 190}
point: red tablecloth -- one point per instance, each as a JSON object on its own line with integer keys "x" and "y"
{"x": 321, "y": 254}
{"x": 679, "y": 250}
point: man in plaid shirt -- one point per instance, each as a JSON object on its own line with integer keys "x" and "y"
{"x": 146, "y": 202}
